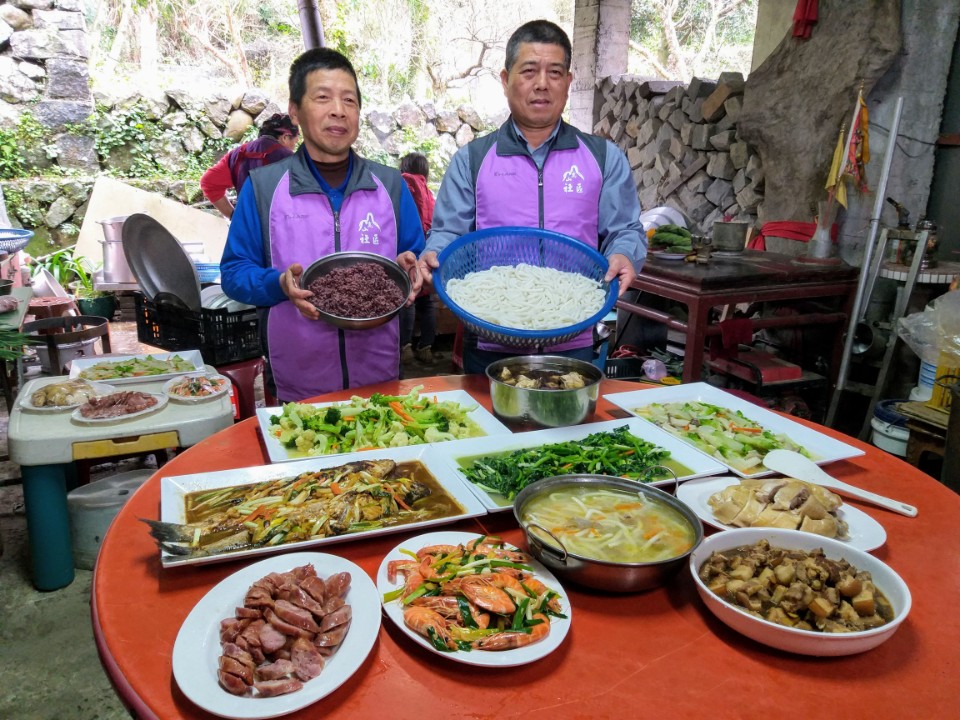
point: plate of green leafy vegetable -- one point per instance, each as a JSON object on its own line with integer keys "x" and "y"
{"x": 496, "y": 469}
{"x": 301, "y": 430}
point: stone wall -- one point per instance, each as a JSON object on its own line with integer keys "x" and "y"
{"x": 44, "y": 71}
{"x": 682, "y": 145}
{"x": 54, "y": 207}
{"x": 43, "y": 65}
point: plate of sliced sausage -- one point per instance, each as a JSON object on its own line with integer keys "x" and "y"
{"x": 277, "y": 636}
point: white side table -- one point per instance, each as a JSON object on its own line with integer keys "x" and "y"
{"x": 45, "y": 445}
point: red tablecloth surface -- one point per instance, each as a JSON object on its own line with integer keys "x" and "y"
{"x": 659, "y": 653}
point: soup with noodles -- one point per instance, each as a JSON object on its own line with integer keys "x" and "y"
{"x": 610, "y": 525}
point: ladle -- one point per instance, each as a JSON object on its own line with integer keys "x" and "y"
{"x": 796, "y": 465}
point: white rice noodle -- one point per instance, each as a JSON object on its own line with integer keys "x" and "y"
{"x": 527, "y": 297}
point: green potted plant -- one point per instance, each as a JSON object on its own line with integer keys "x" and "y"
{"x": 77, "y": 274}
{"x": 91, "y": 301}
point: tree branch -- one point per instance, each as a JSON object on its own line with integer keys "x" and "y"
{"x": 238, "y": 45}
{"x": 205, "y": 44}
{"x": 649, "y": 57}
{"x": 120, "y": 39}
{"x": 667, "y": 8}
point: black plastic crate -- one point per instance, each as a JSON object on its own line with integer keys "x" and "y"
{"x": 222, "y": 337}
{"x": 624, "y": 368}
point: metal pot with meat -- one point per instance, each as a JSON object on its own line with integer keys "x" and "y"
{"x": 545, "y": 390}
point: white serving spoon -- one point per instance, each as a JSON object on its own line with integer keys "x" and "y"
{"x": 796, "y": 465}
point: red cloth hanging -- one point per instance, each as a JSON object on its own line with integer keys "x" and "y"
{"x": 733, "y": 333}
{"x": 801, "y": 231}
{"x": 804, "y": 18}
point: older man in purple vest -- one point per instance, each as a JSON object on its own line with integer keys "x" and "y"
{"x": 322, "y": 200}
{"x": 538, "y": 171}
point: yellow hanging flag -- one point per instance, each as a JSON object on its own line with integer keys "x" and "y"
{"x": 834, "y": 180}
{"x": 859, "y": 150}
{"x": 851, "y": 155}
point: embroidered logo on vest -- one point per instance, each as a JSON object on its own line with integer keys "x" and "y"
{"x": 369, "y": 231}
{"x": 573, "y": 180}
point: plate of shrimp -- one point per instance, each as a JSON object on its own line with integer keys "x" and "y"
{"x": 474, "y": 599}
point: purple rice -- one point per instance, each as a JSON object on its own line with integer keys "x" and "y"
{"x": 358, "y": 292}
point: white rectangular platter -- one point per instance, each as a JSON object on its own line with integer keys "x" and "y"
{"x": 174, "y": 488}
{"x": 191, "y": 356}
{"x": 699, "y": 463}
{"x": 822, "y": 448}
{"x": 480, "y": 415}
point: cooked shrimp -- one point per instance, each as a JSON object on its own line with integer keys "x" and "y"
{"x": 412, "y": 581}
{"x": 533, "y": 585}
{"x": 428, "y": 571}
{"x": 428, "y": 623}
{"x": 439, "y": 550}
{"x": 400, "y": 566}
{"x": 485, "y": 591}
{"x": 449, "y": 607}
{"x": 510, "y": 640}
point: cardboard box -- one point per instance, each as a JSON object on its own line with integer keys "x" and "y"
{"x": 947, "y": 374}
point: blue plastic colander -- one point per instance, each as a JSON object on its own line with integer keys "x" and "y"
{"x": 483, "y": 249}
{"x": 14, "y": 239}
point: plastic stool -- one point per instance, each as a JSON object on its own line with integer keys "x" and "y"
{"x": 243, "y": 375}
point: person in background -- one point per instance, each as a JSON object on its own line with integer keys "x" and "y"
{"x": 538, "y": 171}
{"x": 324, "y": 199}
{"x": 415, "y": 169}
{"x": 278, "y": 139}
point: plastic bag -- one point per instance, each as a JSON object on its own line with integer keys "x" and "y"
{"x": 934, "y": 330}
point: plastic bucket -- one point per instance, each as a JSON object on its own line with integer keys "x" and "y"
{"x": 93, "y": 507}
{"x": 889, "y": 432}
{"x": 68, "y": 352}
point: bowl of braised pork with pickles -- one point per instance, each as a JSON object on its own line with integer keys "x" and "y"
{"x": 799, "y": 592}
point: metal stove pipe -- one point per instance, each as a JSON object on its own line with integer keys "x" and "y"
{"x": 311, "y": 26}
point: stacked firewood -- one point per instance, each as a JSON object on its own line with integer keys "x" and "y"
{"x": 682, "y": 145}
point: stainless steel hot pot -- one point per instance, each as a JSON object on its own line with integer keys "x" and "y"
{"x": 600, "y": 574}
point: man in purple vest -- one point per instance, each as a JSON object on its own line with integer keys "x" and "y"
{"x": 538, "y": 171}
{"x": 323, "y": 199}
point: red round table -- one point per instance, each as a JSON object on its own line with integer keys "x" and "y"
{"x": 659, "y": 653}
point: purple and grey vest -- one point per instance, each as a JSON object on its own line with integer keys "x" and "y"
{"x": 259, "y": 152}
{"x": 563, "y": 197}
{"x": 309, "y": 357}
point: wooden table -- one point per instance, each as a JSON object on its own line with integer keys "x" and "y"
{"x": 659, "y": 653}
{"x": 750, "y": 277}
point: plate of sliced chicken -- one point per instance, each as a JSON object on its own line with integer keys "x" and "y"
{"x": 731, "y": 502}
{"x": 59, "y": 395}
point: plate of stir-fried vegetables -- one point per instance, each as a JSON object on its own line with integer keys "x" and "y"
{"x": 473, "y": 599}
{"x": 497, "y": 469}
{"x": 734, "y": 431}
{"x": 137, "y": 368}
{"x": 300, "y": 430}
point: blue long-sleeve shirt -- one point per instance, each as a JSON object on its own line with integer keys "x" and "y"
{"x": 619, "y": 229}
{"x": 246, "y": 273}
